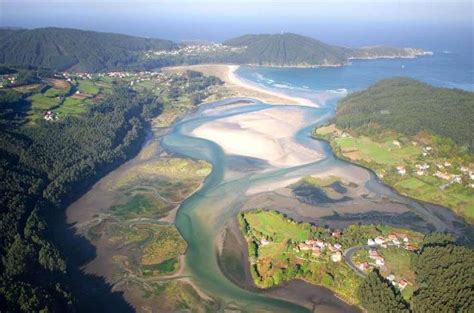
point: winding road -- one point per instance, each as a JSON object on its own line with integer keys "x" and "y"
{"x": 348, "y": 257}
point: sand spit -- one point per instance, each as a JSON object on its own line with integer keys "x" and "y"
{"x": 239, "y": 87}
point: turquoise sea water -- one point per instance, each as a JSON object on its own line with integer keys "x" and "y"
{"x": 452, "y": 69}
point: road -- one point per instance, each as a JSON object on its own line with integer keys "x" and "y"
{"x": 348, "y": 258}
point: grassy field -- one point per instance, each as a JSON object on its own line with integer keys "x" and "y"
{"x": 380, "y": 152}
{"x": 386, "y": 151}
{"x": 88, "y": 87}
{"x": 41, "y": 102}
{"x": 276, "y": 226}
{"x": 71, "y": 106}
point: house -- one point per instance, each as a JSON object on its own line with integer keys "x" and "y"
{"x": 401, "y": 170}
{"x": 370, "y": 242}
{"x": 319, "y": 243}
{"x": 411, "y": 247}
{"x": 316, "y": 252}
{"x": 304, "y": 247}
{"x": 396, "y": 242}
{"x": 392, "y": 237}
{"x": 49, "y": 116}
{"x": 402, "y": 284}
{"x": 379, "y": 240}
{"x": 397, "y": 143}
{"x": 363, "y": 266}
{"x": 331, "y": 248}
{"x": 336, "y": 257}
{"x": 379, "y": 261}
{"x": 442, "y": 175}
{"x": 373, "y": 253}
{"x": 422, "y": 167}
{"x": 390, "y": 277}
{"x": 264, "y": 242}
{"x": 336, "y": 234}
{"x": 405, "y": 239}
{"x": 338, "y": 246}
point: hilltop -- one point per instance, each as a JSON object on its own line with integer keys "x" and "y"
{"x": 63, "y": 48}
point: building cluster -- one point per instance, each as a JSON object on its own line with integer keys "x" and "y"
{"x": 317, "y": 246}
{"x": 377, "y": 260}
{"x": 7, "y": 80}
{"x": 50, "y": 116}
{"x": 196, "y": 49}
{"x": 397, "y": 240}
{"x": 442, "y": 170}
{"x": 73, "y": 76}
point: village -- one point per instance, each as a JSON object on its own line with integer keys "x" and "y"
{"x": 194, "y": 50}
{"x": 317, "y": 247}
{"x": 442, "y": 169}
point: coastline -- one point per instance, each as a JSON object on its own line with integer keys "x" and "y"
{"x": 240, "y": 88}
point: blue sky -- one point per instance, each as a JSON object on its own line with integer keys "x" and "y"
{"x": 334, "y": 20}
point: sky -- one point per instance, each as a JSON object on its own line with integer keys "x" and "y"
{"x": 348, "y": 22}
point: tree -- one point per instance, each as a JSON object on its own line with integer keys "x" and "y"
{"x": 446, "y": 277}
{"x": 377, "y": 295}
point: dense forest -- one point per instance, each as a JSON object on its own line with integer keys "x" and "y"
{"x": 43, "y": 167}
{"x": 443, "y": 270}
{"x": 62, "y": 49}
{"x": 409, "y": 106}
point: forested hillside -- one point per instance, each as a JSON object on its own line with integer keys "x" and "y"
{"x": 43, "y": 167}
{"x": 87, "y": 51}
{"x": 409, "y": 106}
{"x": 286, "y": 49}
{"x": 295, "y": 50}
{"x": 62, "y": 49}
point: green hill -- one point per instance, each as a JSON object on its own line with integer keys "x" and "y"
{"x": 295, "y": 50}
{"x": 409, "y": 106}
{"x": 62, "y": 49}
{"x": 287, "y": 49}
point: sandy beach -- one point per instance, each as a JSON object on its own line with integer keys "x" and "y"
{"x": 239, "y": 87}
{"x": 266, "y": 135}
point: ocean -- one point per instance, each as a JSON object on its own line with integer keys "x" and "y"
{"x": 451, "y": 68}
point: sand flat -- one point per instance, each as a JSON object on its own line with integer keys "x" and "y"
{"x": 266, "y": 134}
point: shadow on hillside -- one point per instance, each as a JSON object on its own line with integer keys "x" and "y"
{"x": 92, "y": 293}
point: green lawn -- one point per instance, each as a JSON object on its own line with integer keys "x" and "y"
{"x": 87, "y": 87}
{"x": 53, "y": 92}
{"x": 276, "y": 226}
{"x": 71, "y": 106}
{"x": 41, "y": 102}
{"x": 380, "y": 152}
